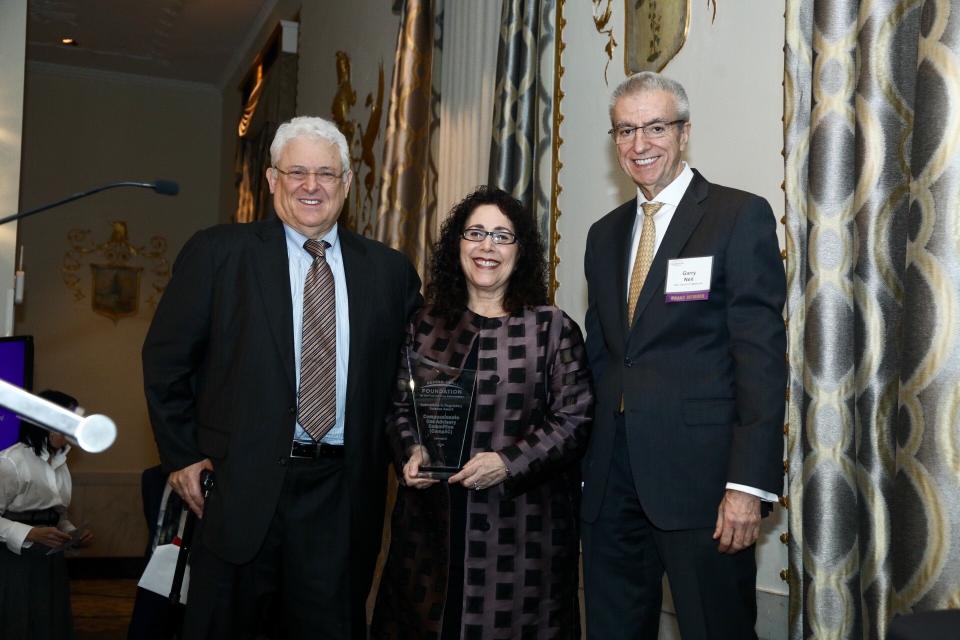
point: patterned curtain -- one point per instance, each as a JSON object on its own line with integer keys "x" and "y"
{"x": 408, "y": 195}
{"x": 272, "y": 100}
{"x": 521, "y": 157}
{"x": 872, "y": 145}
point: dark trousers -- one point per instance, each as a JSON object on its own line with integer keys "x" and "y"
{"x": 625, "y": 557}
{"x": 297, "y": 585}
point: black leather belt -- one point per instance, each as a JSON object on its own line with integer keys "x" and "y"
{"x": 40, "y": 518}
{"x": 314, "y": 450}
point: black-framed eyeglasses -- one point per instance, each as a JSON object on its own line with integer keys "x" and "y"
{"x": 479, "y": 235}
{"x": 297, "y": 175}
{"x": 626, "y": 133}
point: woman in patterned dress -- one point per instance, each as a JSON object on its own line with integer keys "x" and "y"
{"x": 493, "y": 551}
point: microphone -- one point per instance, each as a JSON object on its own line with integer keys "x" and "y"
{"x": 163, "y": 187}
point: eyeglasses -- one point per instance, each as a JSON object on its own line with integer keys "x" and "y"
{"x": 325, "y": 177}
{"x": 479, "y": 235}
{"x": 626, "y": 133}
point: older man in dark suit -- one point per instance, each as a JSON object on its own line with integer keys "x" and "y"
{"x": 686, "y": 340}
{"x": 270, "y": 361}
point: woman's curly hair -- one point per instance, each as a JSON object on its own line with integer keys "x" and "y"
{"x": 447, "y": 290}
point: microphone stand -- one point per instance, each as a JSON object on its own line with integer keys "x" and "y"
{"x": 164, "y": 187}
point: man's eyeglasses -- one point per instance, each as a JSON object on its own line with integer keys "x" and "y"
{"x": 479, "y": 235}
{"x": 325, "y": 177}
{"x": 626, "y": 133}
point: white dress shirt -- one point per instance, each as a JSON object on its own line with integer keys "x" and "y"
{"x": 29, "y": 482}
{"x": 300, "y": 260}
{"x": 670, "y": 198}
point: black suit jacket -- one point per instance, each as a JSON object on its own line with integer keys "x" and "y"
{"x": 218, "y": 368}
{"x": 703, "y": 382}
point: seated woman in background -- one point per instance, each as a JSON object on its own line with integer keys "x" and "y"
{"x": 35, "y": 492}
{"x": 492, "y": 552}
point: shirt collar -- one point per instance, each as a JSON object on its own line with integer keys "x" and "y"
{"x": 296, "y": 239}
{"x": 59, "y": 458}
{"x": 673, "y": 192}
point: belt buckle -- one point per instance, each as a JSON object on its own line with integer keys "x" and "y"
{"x": 303, "y": 450}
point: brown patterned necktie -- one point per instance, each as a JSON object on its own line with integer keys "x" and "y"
{"x": 641, "y": 265}
{"x": 317, "y": 397}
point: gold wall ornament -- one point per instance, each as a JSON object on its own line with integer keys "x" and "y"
{"x": 553, "y": 266}
{"x": 117, "y": 274}
{"x": 360, "y": 211}
{"x": 655, "y": 32}
{"x": 344, "y": 99}
{"x": 601, "y": 20}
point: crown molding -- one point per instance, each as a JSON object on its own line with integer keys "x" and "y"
{"x": 119, "y": 77}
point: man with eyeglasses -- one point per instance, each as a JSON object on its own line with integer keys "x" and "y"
{"x": 686, "y": 341}
{"x": 271, "y": 361}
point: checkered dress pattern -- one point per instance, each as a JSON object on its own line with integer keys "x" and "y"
{"x": 534, "y": 406}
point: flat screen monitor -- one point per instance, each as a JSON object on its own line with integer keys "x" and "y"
{"x": 16, "y": 367}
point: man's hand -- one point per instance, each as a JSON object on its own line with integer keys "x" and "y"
{"x": 48, "y": 536}
{"x": 738, "y": 521}
{"x": 482, "y": 471}
{"x": 411, "y": 470}
{"x": 186, "y": 482}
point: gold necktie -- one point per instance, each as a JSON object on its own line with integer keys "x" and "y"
{"x": 641, "y": 265}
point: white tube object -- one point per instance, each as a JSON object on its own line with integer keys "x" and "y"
{"x": 91, "y": 433}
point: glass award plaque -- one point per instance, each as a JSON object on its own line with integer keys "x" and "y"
{"x": 442, "y": 401}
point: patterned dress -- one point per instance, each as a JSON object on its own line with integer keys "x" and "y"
{"x": 534, "y": 406}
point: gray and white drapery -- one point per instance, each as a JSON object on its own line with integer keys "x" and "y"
{"x": 521, "y": 157}
{"x": 872, "y": 145}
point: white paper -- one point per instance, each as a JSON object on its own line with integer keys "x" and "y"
{"x": 158, "y": 576}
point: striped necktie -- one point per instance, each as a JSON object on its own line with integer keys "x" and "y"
{"x": 317, "y": 397}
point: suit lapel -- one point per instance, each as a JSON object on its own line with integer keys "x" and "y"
{"x": 622, "y": 237}
{"x": 360, "y": 287}
{"x": 273, "y": 277}
{"x": 685, "y": 220}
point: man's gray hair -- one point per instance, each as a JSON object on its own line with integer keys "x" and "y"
{"x": 652, "y": 81}
{"x": 313, "y": 127}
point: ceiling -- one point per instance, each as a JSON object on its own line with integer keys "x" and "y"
{"x": 205, "y": 41}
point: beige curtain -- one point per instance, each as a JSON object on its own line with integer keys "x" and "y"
{"x": 872, "y": 112}
{"x": 466, "y": 112}
{"x": 272, "y": 101}
{"x": 408, "y": 194}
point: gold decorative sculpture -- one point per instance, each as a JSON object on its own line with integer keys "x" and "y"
{"x": 345, "y": 98}
{"x": 360, "y": 212}
{"x": 601, "y": 20}
{"x": 655, "y": 32}
{"x": 115, "y": 286}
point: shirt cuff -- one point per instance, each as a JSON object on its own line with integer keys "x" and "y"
{"x": 15, "y": 535}
{"x": 766, "y": 496}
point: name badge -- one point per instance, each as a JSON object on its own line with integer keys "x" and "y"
{"x": 688, "y": 279}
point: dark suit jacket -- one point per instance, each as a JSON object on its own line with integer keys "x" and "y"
{"x": 703, "y": 382}
{"x": 218, "y": 367}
